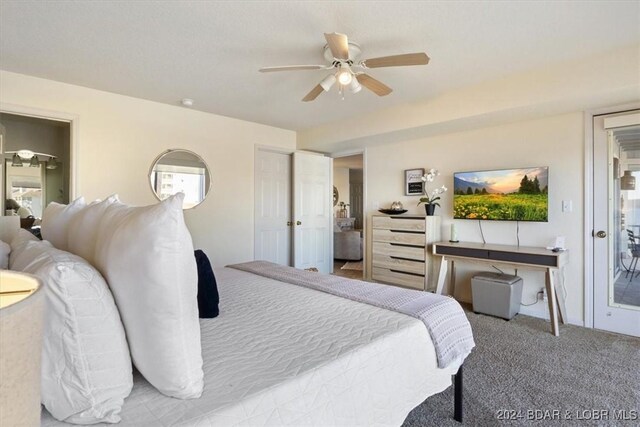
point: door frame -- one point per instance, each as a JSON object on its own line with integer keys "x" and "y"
{"x": 588, "y": 254}
{"x": 279, "y": 150}
{"x": 74, "y": 140}
{"x": 353, "y": 152}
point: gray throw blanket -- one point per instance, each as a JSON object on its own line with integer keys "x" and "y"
{"x": 444, "y": 318}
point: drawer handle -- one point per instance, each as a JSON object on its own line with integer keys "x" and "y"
{"x": 406, "y": 231}
{"x": 406, "y": 245}
{"x": 407, "y": 273}
{"x": 406, "y": 259}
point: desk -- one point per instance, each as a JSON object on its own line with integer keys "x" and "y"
{"x": 523, "y": 257}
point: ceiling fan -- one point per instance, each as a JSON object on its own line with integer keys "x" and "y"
{"x": 342, "y": 56}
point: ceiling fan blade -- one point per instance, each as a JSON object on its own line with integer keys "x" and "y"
{"x": 338, "y": 44}
{"x": 419, "y": 58}
{"x": 313, "y": 94}
{"x": 374, "y": 85}
{"x": 292, "y": 68}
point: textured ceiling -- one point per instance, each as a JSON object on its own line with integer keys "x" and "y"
{"x": 211, "y": 51}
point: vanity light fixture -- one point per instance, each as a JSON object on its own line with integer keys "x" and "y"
{"x": 18, "y": 158}
{"x": 52, "y": 163}
{"x": 16, "y": 161}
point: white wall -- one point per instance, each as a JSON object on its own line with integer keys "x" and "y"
{"x": 119, "y": 137}
{"x": 341, "y": 182}
{"x": 555, "y": 141}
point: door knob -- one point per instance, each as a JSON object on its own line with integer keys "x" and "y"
{"x": 298, "y": 222}
{"x": 289, "y": 223}
{"x": 601, "y": 234}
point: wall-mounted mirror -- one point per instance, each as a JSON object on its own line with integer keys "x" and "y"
{"x": 34, "y": 170}
{"x": 178, "y": 170}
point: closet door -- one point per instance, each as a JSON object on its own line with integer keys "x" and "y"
{"x": 273, "y": 207}
{"x": 312, "y": 216}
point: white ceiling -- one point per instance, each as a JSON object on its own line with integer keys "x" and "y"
{"x": 211, "y": 51}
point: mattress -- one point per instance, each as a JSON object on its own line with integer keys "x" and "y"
{"x": 280, "y": 354}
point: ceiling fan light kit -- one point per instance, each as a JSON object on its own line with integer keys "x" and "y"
{"x": 355, "y": 86}
{"x": 328, "y": 82}
{"x": 342, "y": 55}
{"x": 345, "y": 75}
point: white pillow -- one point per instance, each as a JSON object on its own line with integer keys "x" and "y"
{"x": 146, "y": 255}
{"x": 83, "y": 228}
{"x": 18, "y": 243}
{"x": 5, "y": 250}
{"x": 55, "y": 221}
{"x": 86, "y": 366}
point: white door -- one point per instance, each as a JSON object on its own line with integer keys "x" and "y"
{"x": 273, "y": 207}
{"x": 312, "y": 216}
{"x": 616, "y": 218}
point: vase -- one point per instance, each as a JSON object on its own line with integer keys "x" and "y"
{"x": 430, "y": 209}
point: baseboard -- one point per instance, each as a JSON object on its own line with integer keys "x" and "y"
{"x": 538, "y": 310}
{"x": 541, "y": 311}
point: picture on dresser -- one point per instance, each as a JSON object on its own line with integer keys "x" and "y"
{"x": 413, "y": 182}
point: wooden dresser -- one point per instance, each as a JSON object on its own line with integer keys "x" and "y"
{"x": 401, "y": 250}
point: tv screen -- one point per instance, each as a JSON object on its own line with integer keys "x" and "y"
{"x": 507, "y": 195}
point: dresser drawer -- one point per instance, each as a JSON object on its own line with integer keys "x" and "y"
{"x": 408, "y": 238}
{"x": 410, "y": 252}
{"x": 391, "y": 223}
{"x": 398, "y": 278}
{"x": 398, "y": 264}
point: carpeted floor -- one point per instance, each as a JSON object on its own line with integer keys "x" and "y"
{"x": 519, "y": 366}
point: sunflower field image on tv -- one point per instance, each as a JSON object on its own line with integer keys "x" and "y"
{"x": 507, "y": 195}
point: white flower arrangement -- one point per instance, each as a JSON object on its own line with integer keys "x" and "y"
{"x": 431, "y": 198}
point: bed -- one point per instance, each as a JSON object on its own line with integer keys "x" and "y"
{"x": 281, "y": 354}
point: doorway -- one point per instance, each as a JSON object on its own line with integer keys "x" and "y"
{"x": 35, "y": 167}
{"x": 616, "y": 220}
{"x": 292, "y": 205}
{"x": 348, "y": 237}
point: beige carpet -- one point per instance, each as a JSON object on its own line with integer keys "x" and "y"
{"x": 353, "y": 265}
{"x": 519, "y": 366}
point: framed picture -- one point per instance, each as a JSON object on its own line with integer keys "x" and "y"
{"x": 413, "y": 182}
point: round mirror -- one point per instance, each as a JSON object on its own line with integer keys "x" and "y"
{"x": 177, "y": 171}
{"x": 336, "y": 195}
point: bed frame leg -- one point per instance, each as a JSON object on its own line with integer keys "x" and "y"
{"x": 457, "y": 398}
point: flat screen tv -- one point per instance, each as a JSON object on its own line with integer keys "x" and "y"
{"x": 503, "y": 195}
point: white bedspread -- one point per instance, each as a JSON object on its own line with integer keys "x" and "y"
{"x": 280, "y": 354}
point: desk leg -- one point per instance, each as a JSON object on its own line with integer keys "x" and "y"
{"x": 551, "y": 299}
{"x": 452, "y": 279}
{"x": 560, "y": 296}
{"x": 441, "y": 275}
